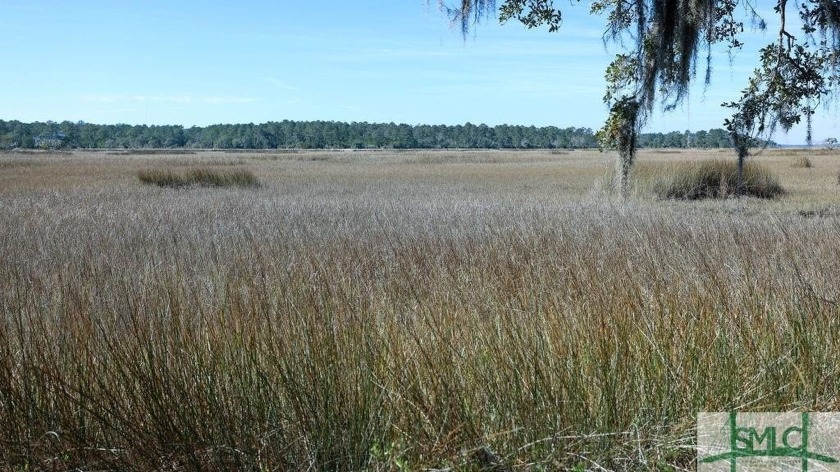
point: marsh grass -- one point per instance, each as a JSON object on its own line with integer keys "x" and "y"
{"x": 202, "y": 176}
{"x": 806, "y": 151}
{"x": 480, "y": 158}
{"x": 151, "y": 152}
{"x": 716, "y": 178}
{"x": 18, "y": 162}
{"x": 201, "y": 161}
{"x": 801, "y": 162}
{"x": 394, "y": 317}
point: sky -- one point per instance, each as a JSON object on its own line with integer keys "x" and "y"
{"x": 197, "y": 63}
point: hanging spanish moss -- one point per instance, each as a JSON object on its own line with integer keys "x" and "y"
{"x": 470, "y": 12}
{"x": 668, "y": 34}
{"x": 622, "y": 129}
{"x": 824, "y": 15}
{"x": 822, "y": 18}
{"x": 668, "y": 37}
{"x": 796, "y": 72}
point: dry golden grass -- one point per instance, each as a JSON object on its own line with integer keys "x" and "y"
{"x": 401, "y": 311}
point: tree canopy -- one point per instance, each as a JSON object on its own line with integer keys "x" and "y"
{"x": 663, "y": 41}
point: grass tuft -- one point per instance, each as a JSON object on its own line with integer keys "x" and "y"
{"x": 203, "y": 177}
{"x": 715, "y": 179}
{"x": 802, "y": 162}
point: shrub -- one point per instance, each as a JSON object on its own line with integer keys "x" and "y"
{"x": 802, "y": 162}
{"x": 162, "y": 178}
{"x": 716, "y": 179}
{"x": 203, "y": 177}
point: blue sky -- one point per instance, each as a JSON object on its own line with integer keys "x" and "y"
{"x": 203, "y": 62}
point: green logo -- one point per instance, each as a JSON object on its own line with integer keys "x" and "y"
{"x": 788, "y": 441}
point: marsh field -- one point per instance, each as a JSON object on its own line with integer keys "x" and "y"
{"x": 389, "y": 311}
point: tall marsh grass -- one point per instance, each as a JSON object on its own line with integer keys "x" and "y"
{"x": 802, "y": 162}
{"x": 350, "y": 326}
{"x": 200, "y": 176}
{"x": 694, "y": 180}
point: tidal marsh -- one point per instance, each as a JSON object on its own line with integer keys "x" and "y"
{"x": 401, "y": 311}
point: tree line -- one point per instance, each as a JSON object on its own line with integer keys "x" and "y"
{"x": 325, "y": 135}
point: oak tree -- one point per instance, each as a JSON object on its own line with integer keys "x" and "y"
{"x": 664, "y": 42}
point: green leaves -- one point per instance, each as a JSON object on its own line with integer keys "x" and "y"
{"x": 532, "y": 13}
{"x": 620, "y": 76}
{"x": 795, "y": 74}
{"x": 789, "y": 83}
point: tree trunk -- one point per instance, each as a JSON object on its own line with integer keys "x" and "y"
{"x": 623, "y": 163}
{"x": 626, "y": 153}
{"x": 742, "y": 148}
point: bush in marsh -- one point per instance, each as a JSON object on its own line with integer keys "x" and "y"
{"x": 715, "y": 179}
{"x": 204, "y": 177}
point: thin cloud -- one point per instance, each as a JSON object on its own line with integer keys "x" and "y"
{"x": 388, "y": 54}
{"x": 110, "y": 98}
{"x": 215, "y": 100}
{"x": 280, "y": 84}
{"x": 135, "y": 98}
